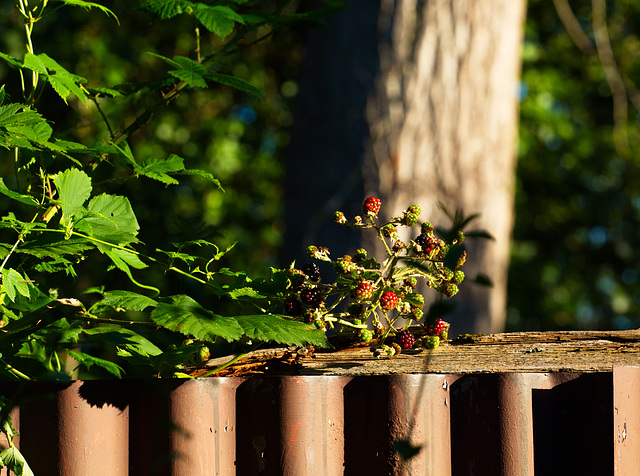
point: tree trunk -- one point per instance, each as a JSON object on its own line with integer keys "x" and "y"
{"x": 442, "y": 123}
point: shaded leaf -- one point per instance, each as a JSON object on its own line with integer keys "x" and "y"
{"x": 236, "y": 83}
{"x": 166, "y": 8}
{"x": 89, "y": 360}
{"x": 25, "y": 199}
{"x": 217, "y": 19}
{"x": 124, "y": 338}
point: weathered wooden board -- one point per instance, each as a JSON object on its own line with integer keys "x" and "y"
{"x": 571, "y": 351}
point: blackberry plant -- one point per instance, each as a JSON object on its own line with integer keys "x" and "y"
{"x": 380, "y": 294}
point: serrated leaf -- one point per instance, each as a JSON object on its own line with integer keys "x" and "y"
{"x": 159, "y": 169}
{"x": 62, "y": 81}
{"x": 186, "y": 316}
{"x": 15, "y": 461}
{"x": 126, "y": 300}
{"x": 89, "y": 6}
{"x": 169, "y": 61}
{"x": 123, "y": 258}
{"x": 19, "y": 197}
{"x": 166, "y": 8}
{"x": 74, "y": 188}
{"x": 51, "y": 246}
{"x": 236, "y": 83}
{"x": 190, "y": 77}
{"x": 14, "y": 284}
{"x": 11, "y": 60}
{"x": 124, "y": 338}
{"x": 110, "y": 218}
{"x": 205, "y": 175}
{"x": 245, "y": 292}
{"x": 217, "y": 19}
{"x": 9, "y": 116}
{"x": 273, "y": 328}
{"x": 89, "y": 360}
{"x": 105, "y": 92}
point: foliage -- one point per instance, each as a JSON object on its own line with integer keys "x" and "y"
{"x": 366, "y": 293}
{"x": 573, "y": 262}
{"x": 69, "y": 208}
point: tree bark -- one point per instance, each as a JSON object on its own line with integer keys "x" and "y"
{"x": 441, "y": 109}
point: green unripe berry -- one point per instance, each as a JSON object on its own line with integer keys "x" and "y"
{"x": 365, "y": 335}
{"x": 431, "y": 342}
{"x": 360, "y": 254}
{"x": 410, "y": 219}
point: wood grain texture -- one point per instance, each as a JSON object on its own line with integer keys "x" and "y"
{"x": 571, "y": 351}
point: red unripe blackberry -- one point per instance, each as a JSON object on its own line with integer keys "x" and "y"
{"x": 388, "y": 300}
{"x": 311, "y": 296}
{"x": 406, "y": 339}
{"x": 292, "y": 307}
{"x": 439, "y": 326}
{"x": 312, "y": 271}
{"x": 364, "y": 291}
{"x": 371, "y": 205}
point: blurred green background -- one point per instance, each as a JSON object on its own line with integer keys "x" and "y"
{"x": 574, "y": 260}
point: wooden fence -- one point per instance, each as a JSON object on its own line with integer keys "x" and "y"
{"x": 507, "y": 404}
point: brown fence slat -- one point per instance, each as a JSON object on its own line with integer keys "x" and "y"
{"x": 524, "y": 423}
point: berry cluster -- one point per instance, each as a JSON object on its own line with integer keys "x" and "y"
{"x": 374, "y": 295}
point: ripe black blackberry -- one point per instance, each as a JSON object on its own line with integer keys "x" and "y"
{"x": 406, "y": 339}
{"x": 292, "y": 307}
{"x": 312, "y": 271}
{"x": 311, "y": 296}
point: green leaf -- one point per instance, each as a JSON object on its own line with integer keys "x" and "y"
{"x": 74, "y": 188}
{"x": 273, "y": 328}
{"x": 104, "y": 92}
{"x": 186, "y": 316}
{"x": 217, "y": 19}
{"x": 122, "y": 337}
{"x": 15, "y": 461}
{"x": 126, "y": 300}
{"x": 165, "y": 59}
{"x": 62, "y": 81}
{"x": 25, "y": 199}
{"x": 110, "y": 218}
{"x": 14, "y": 284}
{"x": 159, "y": 169}
{"x": 166, "y": 8}
{"x": 205, "y": 175}
{"x": 9, "y": 116}
{"x": 89, "y": 360}
{"x": 89, "y": 6}
{"x": 123, "y": 259}
{"x": 11, "y": 60}
{"x": 235, "y": 82}
{"x": 191, "y": 72}
{"x": 53, "y": 245}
